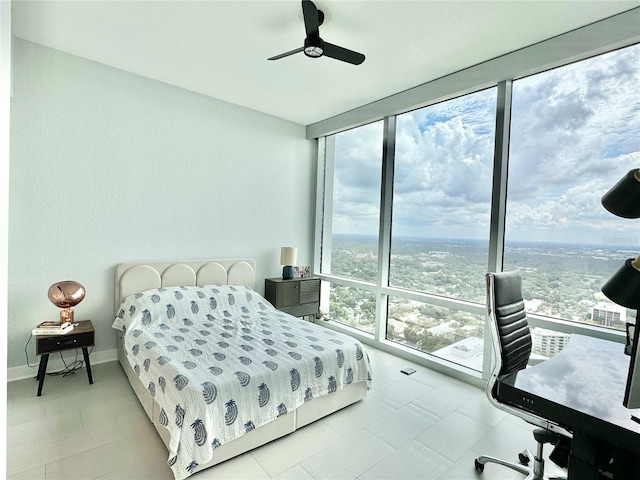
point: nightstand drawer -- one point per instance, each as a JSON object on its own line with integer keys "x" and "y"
{"x": 302, "y": 310}
{"x": 310, "y": 291}
{"x": 64, "y": 342}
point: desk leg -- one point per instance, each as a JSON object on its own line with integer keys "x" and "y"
{"x": 587, "y": 454}
{"x": 579, "y": 470}
{"x": 42, "y": 371}
{"x": 85, "y": 353}
{"x": 625, "y": 464}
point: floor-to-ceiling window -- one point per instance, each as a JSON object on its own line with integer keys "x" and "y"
{"x": 575, "y": 131}
{"x": 351, "y": 246}
{"x": 407, "y": 210}
{"x": 440, "y": 197}
{"x": 440, "y": 224}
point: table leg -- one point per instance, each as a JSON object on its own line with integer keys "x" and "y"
{"x": 579, "y": 470}
{"x": 587, "y": 453}
{"x": 85, "y": 353}
{"x": 42, "y": 371}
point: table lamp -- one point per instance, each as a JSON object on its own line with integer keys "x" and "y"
{"x": 288, "y": 258}
{"x": 65, "y": 295}
{"x": 623, "y": 287}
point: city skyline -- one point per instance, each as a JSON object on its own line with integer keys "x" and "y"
{"x": 611, "y": 242}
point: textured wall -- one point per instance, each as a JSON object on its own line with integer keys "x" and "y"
{"x": 108, "y": 167}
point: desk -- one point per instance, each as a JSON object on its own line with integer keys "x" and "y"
{"x": 581, "y": 388}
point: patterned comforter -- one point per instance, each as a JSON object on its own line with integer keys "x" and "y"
{"x": 221, "y": 361}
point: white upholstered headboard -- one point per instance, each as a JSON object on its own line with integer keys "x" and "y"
{"x": 136, "y": 277}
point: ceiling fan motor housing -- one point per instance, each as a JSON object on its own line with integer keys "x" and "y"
{"x": 313, "y": 47}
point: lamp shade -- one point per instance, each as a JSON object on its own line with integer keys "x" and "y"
{"x": 66, "y": 294}
{"x": 288, "y": 256}
{"x": 623, "y": 287}
{"x": 623, "y": 199}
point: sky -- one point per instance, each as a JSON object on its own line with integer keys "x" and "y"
{"x": 575, "y": 131}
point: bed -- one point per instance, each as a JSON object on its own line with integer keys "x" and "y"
{"x": 218, "y": 370}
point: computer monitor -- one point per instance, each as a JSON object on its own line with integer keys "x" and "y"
{"x": 632, "y": 390}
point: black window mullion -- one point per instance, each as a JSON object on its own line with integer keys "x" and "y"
{"x": 384, "y": 237}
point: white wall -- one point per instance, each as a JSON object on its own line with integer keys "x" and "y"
{"x": 108, "y": 167}
{"x": 5, "y": 91}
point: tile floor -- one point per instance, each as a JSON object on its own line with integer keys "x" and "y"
{"x": 424, "y": 426}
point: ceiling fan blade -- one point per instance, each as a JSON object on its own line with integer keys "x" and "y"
{"x": 311, "y": 18}
{"x": 286, "y": 54}
{"x": 344, "y": 54}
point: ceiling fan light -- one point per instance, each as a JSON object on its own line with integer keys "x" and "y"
{"x": 313, "y": 52}
{"x": 313, "y": 48}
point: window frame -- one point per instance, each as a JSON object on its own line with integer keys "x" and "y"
{"x": 607, "y": 35}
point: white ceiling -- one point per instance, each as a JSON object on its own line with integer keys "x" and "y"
{"x": 220, "y": 48}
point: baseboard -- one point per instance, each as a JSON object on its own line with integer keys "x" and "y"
{"x": 55, "y": 364}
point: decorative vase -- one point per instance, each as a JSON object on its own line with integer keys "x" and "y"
{"x": 287, "y": 272}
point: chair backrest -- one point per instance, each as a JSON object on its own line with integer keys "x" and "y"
{"x": 511, "y": 342}
{"x": 508, "y": 318}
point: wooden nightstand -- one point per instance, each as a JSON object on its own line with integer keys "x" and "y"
{"x": 297, "y": 297}
{"x": 82, "y": 336}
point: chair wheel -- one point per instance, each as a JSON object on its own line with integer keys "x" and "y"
{"x": 524, "y": 460}
{"x": 479, "y": 466}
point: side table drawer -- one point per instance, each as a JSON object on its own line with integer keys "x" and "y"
{"x": 61, "y": 342}
{"x": 310, "y": 291}
{"x": 302, "y": 310}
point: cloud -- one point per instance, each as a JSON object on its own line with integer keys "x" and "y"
{"x": 443, "y": 171}
{"x": 575, "y": 122}
{"x": 357, "y": 180}
{"x": 574, "y": 134}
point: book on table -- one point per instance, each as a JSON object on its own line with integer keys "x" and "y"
{"x": 52, "y": 328}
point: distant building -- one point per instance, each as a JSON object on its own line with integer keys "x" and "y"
{"x": 466, "y": 352}
{"x": 442, "y": 329}
{"x": 548, "y": 342}
{"x": 467, "y": 348}
{"x": 533, "y": 304}
{"x": 608, "y": 314}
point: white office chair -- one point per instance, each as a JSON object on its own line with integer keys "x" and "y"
{"x": 512, "y": 347}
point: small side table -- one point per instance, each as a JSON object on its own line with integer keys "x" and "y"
{"x": 82, "y": 336}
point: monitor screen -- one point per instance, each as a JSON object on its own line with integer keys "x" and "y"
{"x": 632, "y": 391}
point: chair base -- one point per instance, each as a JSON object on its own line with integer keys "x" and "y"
{"x": 532, "y": 473}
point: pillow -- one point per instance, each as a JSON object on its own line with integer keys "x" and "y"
{"x": 164, "y": 304}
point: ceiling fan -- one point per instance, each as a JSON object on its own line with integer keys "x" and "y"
{"x": 314, "y": 46}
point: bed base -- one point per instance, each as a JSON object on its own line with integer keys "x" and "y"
{"x": 308, "y": 413}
